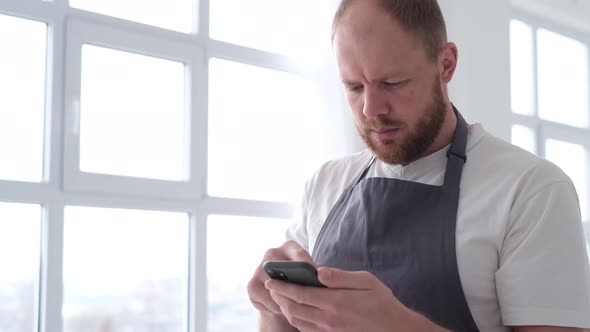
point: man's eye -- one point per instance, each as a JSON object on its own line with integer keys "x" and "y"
{"x": 354, "y": 88}
{"x": 394, "y": 84}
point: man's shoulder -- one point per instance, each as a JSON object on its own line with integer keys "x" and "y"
{"x": 492, "y": 157}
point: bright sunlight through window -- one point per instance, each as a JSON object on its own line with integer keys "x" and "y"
{"x": 22, "y": 101}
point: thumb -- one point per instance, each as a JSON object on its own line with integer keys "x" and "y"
{"x": 337, "y": 278}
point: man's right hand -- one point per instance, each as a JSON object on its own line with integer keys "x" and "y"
{"x": 260, "y": 296}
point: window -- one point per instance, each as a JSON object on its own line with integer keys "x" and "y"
{"x": 176, "y": 15}
{"x": 259, "y": 128}
{"x": 125, "y": 270}
{"x": 277, "y": 27}
{"x": 132, "y": 115}
{"x": 151, "y": 152}
{"x": 228, "y": 271}
{"x": 22, "y": 110}
{"x": 20, "y": 232}
{"x": 550, "y": 76}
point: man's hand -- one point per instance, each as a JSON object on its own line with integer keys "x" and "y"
{"x": 352, "y": 301}
{"x": 272, "y": 318}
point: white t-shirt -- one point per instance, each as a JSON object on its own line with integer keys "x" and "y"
{"x": 521, "y": 251}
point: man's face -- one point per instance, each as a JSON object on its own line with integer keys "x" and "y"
{"x": 393, "y": 90}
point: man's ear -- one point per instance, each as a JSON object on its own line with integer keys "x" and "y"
{"x": 447, "y": 62}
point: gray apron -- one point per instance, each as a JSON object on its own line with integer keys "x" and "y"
{"x": 404, "y": 233}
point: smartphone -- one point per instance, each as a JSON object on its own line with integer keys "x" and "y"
{"x": 301, "y": 273}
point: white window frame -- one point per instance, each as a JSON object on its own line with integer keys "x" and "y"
{"x": 80, "y": 32}
{"x": 64, "y": 185}
{"x": 545, "y": 129}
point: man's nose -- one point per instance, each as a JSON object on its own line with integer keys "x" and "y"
{"x": 374, "y": 103}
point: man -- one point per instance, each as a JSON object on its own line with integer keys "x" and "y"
{"x": 438, "y": 226}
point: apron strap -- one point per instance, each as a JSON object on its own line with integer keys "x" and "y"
{"x": 365, "y": 171}
{"x": 456, "y": 155}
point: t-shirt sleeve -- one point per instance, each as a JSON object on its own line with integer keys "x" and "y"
{"x": 543, "y": 276}
{"x": 297, "y": 229}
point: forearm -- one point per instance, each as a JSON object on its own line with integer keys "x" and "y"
{"x": 274, "y": 323}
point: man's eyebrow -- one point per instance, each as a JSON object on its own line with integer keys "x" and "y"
{"x": 349, "y": 83}
{"x": 392, "y": 76}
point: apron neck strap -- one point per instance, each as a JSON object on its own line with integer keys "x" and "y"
{"x": 456, "y": 154}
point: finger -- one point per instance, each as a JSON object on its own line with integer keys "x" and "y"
{"x": 296, "y": 252}
{"x": 304, "y": 326}
{"x": 262, "y": 307}
{"x": 260, "y": 297}
{"x": 288, "y": 251}
{"x": 337, "y": 278}
{"x": 299, "y": 315}
{"x": 311, "y": 296}
{"x": 275, "y": 254}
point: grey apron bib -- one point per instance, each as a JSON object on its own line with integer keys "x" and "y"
{"x": 404, "y": 233}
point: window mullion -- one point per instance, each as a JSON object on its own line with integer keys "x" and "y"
{"x": 250, "y": 56}
{"x": 198, "y": 303}
{"x": 32, "y": 9}
{"x": 51, "y": 281}
{"x": 203, "y": 18}
{"x": 54, "y": 101}
{"x": 242, "y": 207}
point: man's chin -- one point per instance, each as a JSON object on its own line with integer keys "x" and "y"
{"x": 387, "y": 153}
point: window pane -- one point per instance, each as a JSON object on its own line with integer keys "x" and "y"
{"x": 573, "y": 160}
{"x": 263, "y": 141}
{"x": 132, "y": 115}
{"x": 524, "y": 137}
{"x": 271, "y": 25}
{"x": 228, "y": 271}
{"x": 563, "y": 79}
{"x": 521, "y": 68}
{"x": 169, "y": 14}
{"x": 125, "y": 270}
{"x": 20, "y": 236}
{"x": 23, "y": 46}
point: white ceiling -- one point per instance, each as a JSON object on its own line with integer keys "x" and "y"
{"x": 574, "y": 13}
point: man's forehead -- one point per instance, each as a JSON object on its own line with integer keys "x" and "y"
{"x": 364, "y": 17}
{"x": 379, "y": 27}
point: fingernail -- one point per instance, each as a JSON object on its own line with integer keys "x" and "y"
{"x": 323, "y": 273}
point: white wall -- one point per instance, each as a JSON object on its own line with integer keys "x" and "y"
{"x": 481, "y": 86}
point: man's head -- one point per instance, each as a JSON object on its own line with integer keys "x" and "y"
{"x": 395, "y": 62}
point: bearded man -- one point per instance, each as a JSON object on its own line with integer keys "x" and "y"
{"x": 438, "y": 225}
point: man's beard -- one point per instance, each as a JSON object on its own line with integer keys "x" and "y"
{"x": 414, "y": 144}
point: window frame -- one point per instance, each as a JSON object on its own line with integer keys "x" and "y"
{"x": 64, "y": 185}
{"x": 80, "y": 32}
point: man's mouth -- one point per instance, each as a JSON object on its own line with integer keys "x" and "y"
{"x": 385, "y": 133}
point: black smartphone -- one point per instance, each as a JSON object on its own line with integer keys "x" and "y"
{"x": 301, "y": 273}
